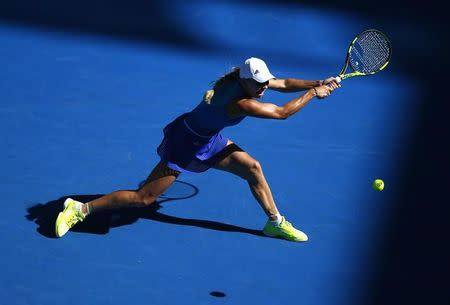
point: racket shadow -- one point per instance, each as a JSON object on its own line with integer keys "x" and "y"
{"x": 44, "y": 216}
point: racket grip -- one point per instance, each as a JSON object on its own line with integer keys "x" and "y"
{"x": 339, "y": 79}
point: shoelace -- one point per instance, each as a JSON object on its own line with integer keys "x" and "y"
{"x": 288, "y": 224}
{"x": 73, "y": 219}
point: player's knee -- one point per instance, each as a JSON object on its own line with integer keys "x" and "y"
{"x": 255, "y": 169}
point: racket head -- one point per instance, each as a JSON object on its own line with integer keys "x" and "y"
{"x": 368, "y": 53}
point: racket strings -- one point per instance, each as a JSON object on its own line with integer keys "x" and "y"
{"x": 370, "y": 52}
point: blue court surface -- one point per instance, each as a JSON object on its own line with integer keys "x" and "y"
{"x": 81, "y": 115}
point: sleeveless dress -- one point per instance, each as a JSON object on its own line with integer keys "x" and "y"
{"x": 192, "y": 140}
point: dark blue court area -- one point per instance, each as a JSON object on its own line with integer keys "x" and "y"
{"x": 85, "y": 90}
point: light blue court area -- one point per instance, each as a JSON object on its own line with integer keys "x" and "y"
{"x": 81, "y": 115}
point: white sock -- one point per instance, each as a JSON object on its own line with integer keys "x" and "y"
{"x": 78, "y": 206}
{"x": 278, "y": 220}
{"x": 88, "y": 208}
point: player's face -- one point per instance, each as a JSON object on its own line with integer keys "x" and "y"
{"x": 253, "y": 88}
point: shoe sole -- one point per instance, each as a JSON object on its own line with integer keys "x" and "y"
{"x": 282, "y": 237}
{"x": 58, "y": 219}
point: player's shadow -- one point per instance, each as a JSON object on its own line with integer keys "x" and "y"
{"x": 45, "y": 214}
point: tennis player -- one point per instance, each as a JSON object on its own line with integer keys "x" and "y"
{"x": 193, "y": 142}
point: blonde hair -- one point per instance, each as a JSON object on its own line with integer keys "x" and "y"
{"x": 232, "y": 75}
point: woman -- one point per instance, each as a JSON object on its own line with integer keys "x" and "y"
{"x": 192, "y": 142}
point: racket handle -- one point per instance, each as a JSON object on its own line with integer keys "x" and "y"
{"x": 338, "y": 78}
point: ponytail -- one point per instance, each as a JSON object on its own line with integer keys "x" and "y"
{"x": 233, "y": 75}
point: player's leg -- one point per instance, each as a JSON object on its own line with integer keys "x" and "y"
{"x": 157, "y": 182}
{"x": 240, "y": 163}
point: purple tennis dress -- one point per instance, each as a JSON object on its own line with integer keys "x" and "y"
{"x": 192, "y": 140}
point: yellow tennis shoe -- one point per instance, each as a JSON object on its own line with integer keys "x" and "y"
{"x": 284, "y": 230}
{"x": 69, "y": 217}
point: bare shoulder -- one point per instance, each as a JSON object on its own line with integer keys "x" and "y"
{"x": 251, "y": 107}
{"x": 239, "y": 107}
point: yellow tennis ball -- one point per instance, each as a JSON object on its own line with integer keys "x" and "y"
{"x": 378, "y": 185}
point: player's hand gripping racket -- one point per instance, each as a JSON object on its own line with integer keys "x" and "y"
{"x": 368, "y": 53}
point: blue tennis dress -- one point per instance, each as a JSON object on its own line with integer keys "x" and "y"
{"x": 192, "y": 140}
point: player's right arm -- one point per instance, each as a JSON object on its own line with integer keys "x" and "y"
{"x": 254, "y": 108}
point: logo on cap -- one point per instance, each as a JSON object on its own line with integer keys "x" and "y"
{"x": 256, "y": 71}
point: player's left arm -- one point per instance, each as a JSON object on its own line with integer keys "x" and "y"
{"x": 295, "y": 85}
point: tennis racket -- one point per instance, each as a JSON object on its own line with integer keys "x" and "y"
{"x": 368, "y": 53}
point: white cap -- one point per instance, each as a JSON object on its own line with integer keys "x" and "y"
{"x": 255, "y": 68}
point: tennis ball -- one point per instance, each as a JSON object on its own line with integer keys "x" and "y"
{"x": 378, "y": 185}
